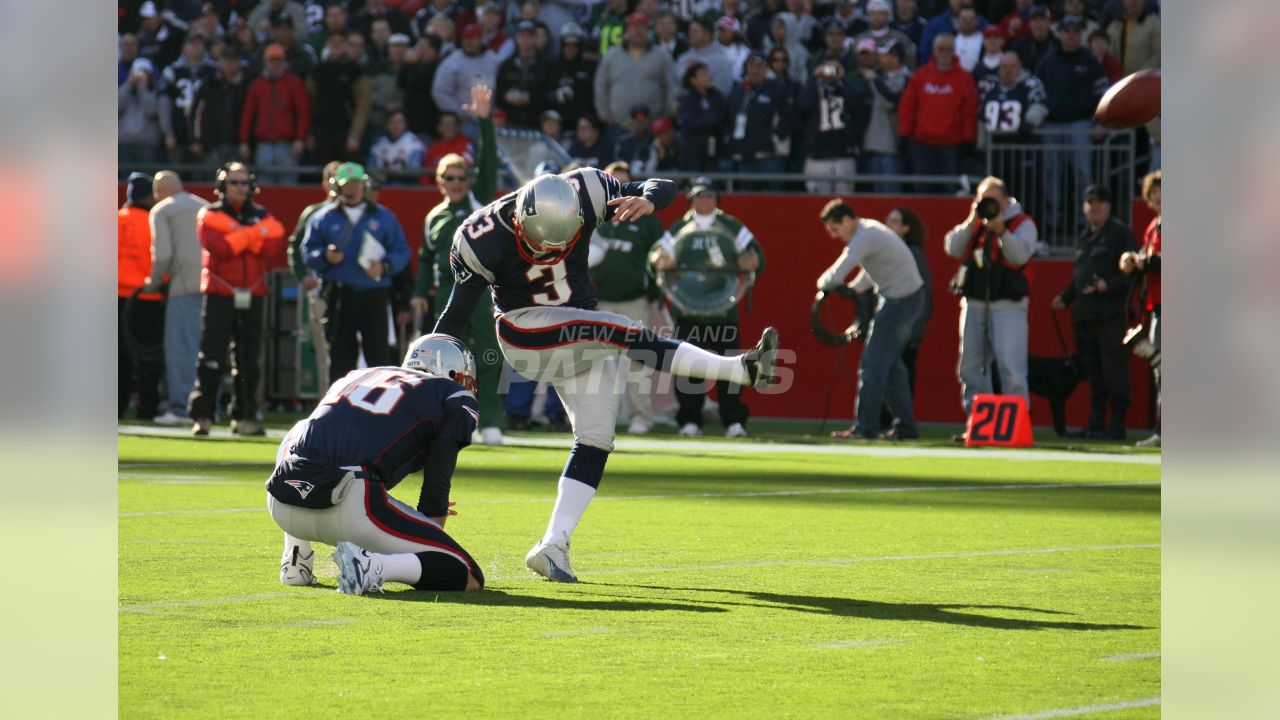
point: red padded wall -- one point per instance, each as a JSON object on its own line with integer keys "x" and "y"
{"x": 797, "y": 250}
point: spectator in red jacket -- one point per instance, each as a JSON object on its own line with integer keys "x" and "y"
{"x": 939, "y": 111}
{"x": 1146, "y": 264}
{"x": 276, "y": 116}
{"x": 1015, "y": 25}
{"x": 450, "y": 140}
{"x": 238, "y": 236}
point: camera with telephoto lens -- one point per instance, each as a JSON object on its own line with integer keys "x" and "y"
{"x": 988, "y": 208}
{"x": 1138, "y": 343}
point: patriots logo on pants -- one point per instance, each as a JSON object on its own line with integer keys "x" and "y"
{"x": 303, "y": 487}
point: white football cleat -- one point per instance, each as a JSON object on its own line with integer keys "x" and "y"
{"x": 490, "y": 436}
{"x": 690, "y": 430}
{"x": 295, "y": 568}
{"x": 551, "y": 561}
{"x": 358, "y": 571}
{"x": 735, "y": 431}
{"x": 171, "y": 419}
{"x": 638, "y": 427}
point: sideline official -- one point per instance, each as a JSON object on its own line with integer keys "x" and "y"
{"x": 237, "y": 235}
{"x": 1096, "y": 296}
{"x": 355, "y": 246}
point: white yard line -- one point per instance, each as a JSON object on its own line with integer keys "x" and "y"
{"x": 164, "y": 476}
{"x": 205, "y": 601}
{"x": 1083, "y": 710}
{"x": 845, "y": 644}
{"x": 214, "y": 511}
{"x": 761, "y": 493}
{"x": 1134, "y": 656}
{"x": 839, "y": 562}
{"x": 689, "y": 447}
{"x": 575, "y": 633}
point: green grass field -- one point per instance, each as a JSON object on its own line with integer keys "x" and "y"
{"x": 719, "y": 580}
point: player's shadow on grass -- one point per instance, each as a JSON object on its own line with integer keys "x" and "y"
{"x": 913, "y": 612}
{"x": 500, "y": 598}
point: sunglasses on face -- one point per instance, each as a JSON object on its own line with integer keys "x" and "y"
{"x": 453, "y": 178}
{"x": 237, "y": 182}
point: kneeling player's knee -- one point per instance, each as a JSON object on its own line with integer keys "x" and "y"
{"x": 441, "y": 571}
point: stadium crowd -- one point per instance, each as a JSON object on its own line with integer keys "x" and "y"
{"x": 817, "y": 86}
{"x": 824, "y": 88}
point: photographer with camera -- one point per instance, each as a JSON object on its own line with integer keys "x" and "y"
{"x": 1097, "y": 295}
{"x": 995, "y": 243}
{"x": 887, "y": 264}
{"x": 1146, "y": 264}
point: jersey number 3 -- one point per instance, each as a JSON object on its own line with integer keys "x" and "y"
{"x": 557, "y": 281}
{"x": 377, "y": 391}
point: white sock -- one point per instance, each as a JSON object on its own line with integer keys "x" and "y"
{"x": 572, "y": 498}
{"x": 401, "y": 567}
{"x": 304, "y": 546}
{"x": 692, "y": 361}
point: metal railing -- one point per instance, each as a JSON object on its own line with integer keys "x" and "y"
{"x": 1049, "y": 178}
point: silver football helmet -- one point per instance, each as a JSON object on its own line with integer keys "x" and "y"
{"x": 548, "y": 218}
{"x": 443, "y": 356}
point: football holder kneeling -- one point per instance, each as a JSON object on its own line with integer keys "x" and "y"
{"x": 1000, "y": 421}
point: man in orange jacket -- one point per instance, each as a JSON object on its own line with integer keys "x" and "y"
{"x": 238, "y": 236}
{"x": 140, "y": 349}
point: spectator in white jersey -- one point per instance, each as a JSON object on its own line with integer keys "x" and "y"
{"x": 398, "y": 150}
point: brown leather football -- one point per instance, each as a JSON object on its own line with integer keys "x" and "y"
{"x": 1133, "y": 101}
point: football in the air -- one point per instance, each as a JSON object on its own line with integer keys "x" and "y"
{"x": 1133, "y": 101}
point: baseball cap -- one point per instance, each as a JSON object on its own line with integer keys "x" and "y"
{"x": 282, "y": 19}
{"x": 526, "y": 26}
{"x": 638, "y": 18}
{"x": 349, "y": 171}
{"x": 728, "y": 23}
{"x": 992, "y": 30}
{"x": 551, "y": 114}
{"x": 143, "y": 65}
{"x": 571, "y": 30}
{"x": 660, "y": 125}
{"x": 139, "y": 186}
{"x": 700, "y": 186}
{"x": 894, "y": 47}
{"x": 472, "y": 30}
{"x": 399, "y": 39}
{"x": 866, "y": 45}
{"x": 148, "y": 9}
{"x": 1071, "y": 22}
{"x": 640, "y": 109}
{"x": 274, "y": 51}
{"x": 833, "y": 24}
{"x": 495, "y": 7}
{"x": 1039, "y": 11}
{"x": 879, "y": 5}
{"x": 1097, "y": 192}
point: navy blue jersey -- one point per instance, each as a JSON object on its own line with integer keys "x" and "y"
{"x": 1011, "y": 114}
{"x": 486, "y": 255}
{"x": 386, "y": 422}
{"x": 177, "y": 87}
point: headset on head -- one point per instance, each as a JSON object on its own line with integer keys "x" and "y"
{"x": 220, "y": 180}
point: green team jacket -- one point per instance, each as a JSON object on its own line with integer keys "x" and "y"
{"x": 622, "y": 274}
{"x": 445, "y": 219}
{"x": 743, "y": 240}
